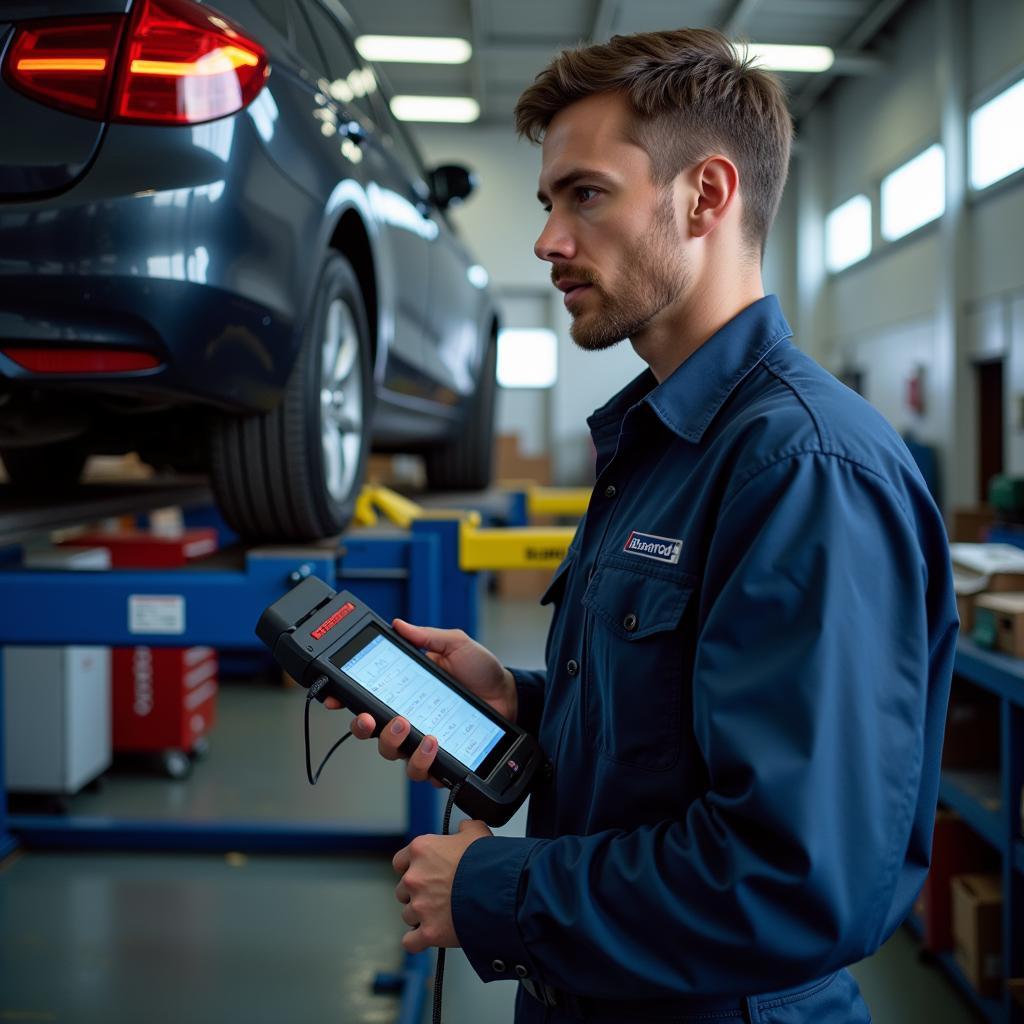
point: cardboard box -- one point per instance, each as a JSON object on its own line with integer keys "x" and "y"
{"x": 970, "y": 525}
{"x": 956, "y": 850}
{"x": 978, "y": 931}
{"x": 511, "y": 464}
{"x": 999, "y": 623}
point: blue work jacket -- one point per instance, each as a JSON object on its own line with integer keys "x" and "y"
{"x": 747, "y": 676}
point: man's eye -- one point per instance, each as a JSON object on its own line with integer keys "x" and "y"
{"x": 583, "y": 194}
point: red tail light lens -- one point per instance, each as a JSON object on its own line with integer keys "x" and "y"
{"x": 81, "y": 360}
{"x": 185, "y": 64}
{"x": 67, "y": 63}
{"x": 180, "y": 63}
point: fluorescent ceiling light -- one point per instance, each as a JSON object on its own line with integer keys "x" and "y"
{"x": 456, "y": 109}
{"x": 527, "y": 357}
{"x": 414, "y": 49}
{"x": 778, "y": 57}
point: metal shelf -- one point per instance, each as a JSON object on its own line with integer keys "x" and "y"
{"x": 965, "y": 792}
{"x": 990, "y": 1009}
{"x": 992, "y": 670}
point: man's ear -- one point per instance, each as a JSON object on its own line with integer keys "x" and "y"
{"x": 714, "y": 183}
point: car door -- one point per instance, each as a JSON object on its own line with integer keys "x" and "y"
{"x": 451, "y": 340}
{"x": 406, "y": 237}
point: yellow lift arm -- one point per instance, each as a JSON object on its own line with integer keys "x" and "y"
{"x": 519, "y": 547}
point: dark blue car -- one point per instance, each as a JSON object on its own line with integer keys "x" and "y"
{"x": 219, "y": 249}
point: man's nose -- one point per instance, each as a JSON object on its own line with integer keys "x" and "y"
{"x": 554, "y": 242}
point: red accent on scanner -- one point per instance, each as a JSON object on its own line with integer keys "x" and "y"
{"x": 331, "y": 621}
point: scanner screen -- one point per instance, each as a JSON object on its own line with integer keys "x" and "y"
{"x": 415, "y": 693}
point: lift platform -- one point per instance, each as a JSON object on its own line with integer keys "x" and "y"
{"x": 403, "y": 559}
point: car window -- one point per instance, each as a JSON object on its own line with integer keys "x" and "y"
{"x": 305, "y": 43}
{"x": 276, "y": 12}
{"x": 351, "y": 83}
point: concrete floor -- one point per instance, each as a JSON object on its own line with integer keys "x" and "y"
{"x": 210, "y": 939}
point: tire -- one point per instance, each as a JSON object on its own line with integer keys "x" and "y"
{"x": 294, "y": 473}
{"x": 46, "y": 468}
{"x": 466, "y": 463}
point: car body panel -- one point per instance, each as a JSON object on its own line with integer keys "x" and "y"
{"x": 202, "y": 244}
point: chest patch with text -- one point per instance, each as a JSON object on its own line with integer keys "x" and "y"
{"x": 649, "y": 545}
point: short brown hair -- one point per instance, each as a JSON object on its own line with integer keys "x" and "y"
{"x": 693, "y": 94}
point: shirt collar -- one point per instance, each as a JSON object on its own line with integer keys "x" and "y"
{"x": 688, "y": 400}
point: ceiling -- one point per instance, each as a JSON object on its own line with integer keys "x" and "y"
{"x": 514, "y": 39}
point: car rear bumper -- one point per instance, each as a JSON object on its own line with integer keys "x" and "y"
{"x": 205, "y": 269}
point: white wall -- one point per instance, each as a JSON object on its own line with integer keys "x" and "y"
{"x": 950, "y": 292}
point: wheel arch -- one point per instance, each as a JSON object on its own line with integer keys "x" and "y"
{"x": 351, "y": 240}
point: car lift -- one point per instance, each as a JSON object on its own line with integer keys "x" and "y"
{"x": 423, "y": 567}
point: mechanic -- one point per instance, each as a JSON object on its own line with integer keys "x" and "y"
{"x": 754, "y": 628}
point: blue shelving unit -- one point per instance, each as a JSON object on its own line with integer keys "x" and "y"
{"x": 990, "y": 804}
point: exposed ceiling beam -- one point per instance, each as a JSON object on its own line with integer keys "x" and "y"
{"x": 604, "y": 20}
{"x": 478, "y": 33}
{"x": 737, "y": 22}
{"x": 876, "y": 19}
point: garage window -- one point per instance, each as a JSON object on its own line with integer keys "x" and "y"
{"x": 914, "y": 194}
{"x": 848, "y": 233}
{"x": 995, "y": 137}
{"x": 527, "y": 357}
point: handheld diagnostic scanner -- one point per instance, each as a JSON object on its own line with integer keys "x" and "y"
{"x": 315, "y": 632}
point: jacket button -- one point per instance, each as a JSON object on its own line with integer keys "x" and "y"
{"x": 630, "y": 622}
{"x": 498, "y": 965}
{"x": 572, "y": 666}
{"x": 521, "y": 971}
{"x": 610, "y": 491}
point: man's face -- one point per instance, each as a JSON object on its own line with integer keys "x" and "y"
{"x": 611, "y": 234}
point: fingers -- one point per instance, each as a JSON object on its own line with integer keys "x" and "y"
{"x": 333, "y": 703}
{"x": 391, "y": 738}
{"x": 421, "y": 760}
{"x": 363, "y": 726}
{"x": 414, "y": 941}
{"x": 438, "y": 641}
{"x": 401, "y": 861}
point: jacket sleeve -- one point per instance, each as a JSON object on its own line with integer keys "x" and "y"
{"x": 530, "y": 692}
{"x": 811, "y": 679}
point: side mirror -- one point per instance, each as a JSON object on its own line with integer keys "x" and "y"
{"x": 451, "y": 184}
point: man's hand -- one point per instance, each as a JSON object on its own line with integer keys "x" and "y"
{"x": 427, "y": 866}
{"x": 461, "y": 657}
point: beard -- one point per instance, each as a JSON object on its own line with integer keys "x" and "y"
{"x": 654, "y": 275}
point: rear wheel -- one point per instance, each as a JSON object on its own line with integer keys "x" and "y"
{"x": 466, "y": 463}
{"x": 50, "y": 467}
{"x": 294, "y": 473}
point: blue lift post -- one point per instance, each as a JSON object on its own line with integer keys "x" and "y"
{"x": 412, "y": 574}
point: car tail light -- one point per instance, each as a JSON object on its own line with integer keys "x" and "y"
{"x": 66, "y": 63}
{"x": 184, "y": 63}
{"x": 180, "y": 62}
{"x": 81, "y": 360}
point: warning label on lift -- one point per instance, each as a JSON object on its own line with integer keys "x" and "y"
{"x": 162, "y": 614}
